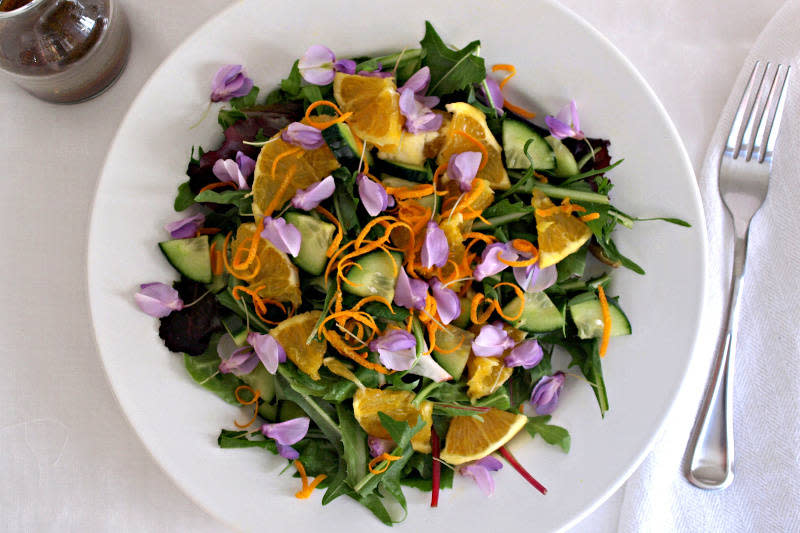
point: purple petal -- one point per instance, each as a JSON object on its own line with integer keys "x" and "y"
{"x": 268, "y": 350}
{"x": 429, "y": 121}
{"x": 448, "y": 304}
{"x": 375, "y": 74}
{"x": 435, "y": 248}
{"x": 158, "y": 299}
{"x": 532, "y": 279}
{"x": 246, "y": 164}
{"x": 228, "y": 170}
{"x": 428, "y": 101}
{"x": 545, "y": 394}
{"x": 463, "y": 168}
{"x": 481, "y": 472}
{"x": 490, "y": 260}
{"x": 302, "y": 135}
{"x": 396, "y": 349}
{"x": 372, "y": 194}
{"x": 566, "y": 123}
{"x": 289, "y": 432}
{"x": 418, "y": 82}
{"x": 378, "y": 446}
{"x": 241, "y": 362}
{"x": 230, "y": 81}
{"x": 284, "y": 236}
{"x": 309, "y": 198}
{"x": 409, "y": 292}
{"x": 185, "y": 227}
{"x": 527, "y": 355}
{"x": 490, "y": 463}
{"x": 492, "y": 341}
{"x": 495, "y": 93}
{"x": 419, "y": 118}
{"x": 347, "y": 66}
{"x": 558, "y": 129}
{"x": 428, "y": 368}
{"x": 576, "y": 121}
{"x": 316, "y": 65}
{"x": 287, "y": 452}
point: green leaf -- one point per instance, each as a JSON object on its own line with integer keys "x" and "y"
{"x": 240, "y": 199}
{"x": 338, "y": 485}
{"x": 354, "y": 440}
{"x": 294, "y": 82}
{"x": 504, "y": 212}
{"x": 451, "y": 70}
{"x": 204, "y": 369}
{"x": 332, "y": 389}
{"x": 240, "y": 439}
{"x": 556, "y": 435}
{"x": 312, "y": 408}
{"x": 445, "y": 481}
{"x": 573, "y": 265}
{"x": 228, "y": 117}
{"x": 318, "y": 456}
{"x": 586, "y": 356}
{"x": 499, "y": 399}
{"x": 248, "y": 100}
{"x": 226, "y": 299}
{"x": 184, "y": 198}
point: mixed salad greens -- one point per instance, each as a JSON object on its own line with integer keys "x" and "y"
{"x": 381, "y": 257}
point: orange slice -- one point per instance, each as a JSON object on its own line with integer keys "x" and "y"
{"x": 367, "y": 403}
{"x": 469, "y": 439}
{"x": 374, "y": 103}
{"x": 560, "y": 233}
{"x": 292, "y": 334}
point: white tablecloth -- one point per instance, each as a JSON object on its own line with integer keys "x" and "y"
{"x": 69, "y": 460}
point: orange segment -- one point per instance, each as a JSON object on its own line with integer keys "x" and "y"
{"x": 367, "y": 403}
{"x": 469, "y": 439}
{"x": 374, "y": 103}
{"x": 472, "y": 121}
{"x": 560, "y": 233}
{"x": 487, "y": 374}
{"x": 276, "y": 273}
{"x": 292, "y": 334}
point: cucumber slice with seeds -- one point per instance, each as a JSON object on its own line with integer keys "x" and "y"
{"x": 316, "y": 237}
{"x": 565, "y": 162}
{"x": 190, "y": 257}
{"x": 515, "y": 135}
{"x": 587, "y": 314}
{"x": 374, "y": 274}
{"x": 540, "y": 315}
{"x": 343, "y": 144}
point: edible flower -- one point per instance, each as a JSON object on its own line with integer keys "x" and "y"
{"x": 490, "y": 259}
{"x": 545, "y": 394}
{"x": 372, "y": 194}
{"x": 566, "y": 123}
{"x": 495, "y": 97}
{"x": 396, "y": 349}
{"x": 302, "y": 135}
{"x": 419, "y": 81}
{"x": 379, "y": 446}
{"x": 287, "y": 433}
{"x": 158, "y": 299}
{"x": 309, "y": 198}
{"x": 416, "y": 107}
{"x": 481, "y": 471}
{"x": 435, "y": 248}
{"x": 527, "y": 354}
{"x": 185, "y": 227}
{"x": 533, "y": 279}
{"x": 377, "y": 73}
{"x": 428, "y": 368}
{"x": 410, "y": 293}
{"x": 492, "y": 341}
{"x": 448, "y": 303}
{"x": 230, "y": 81}
{"x": 463, "y": 168}
{"x": 284, "y": 236}
{"x": 235, "y": 171}
{"x": 234, "y": 359}
{"x": 268, "y": 350}
{"x": 318, "y": 65}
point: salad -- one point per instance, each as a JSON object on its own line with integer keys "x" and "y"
{"x": 378, "y": 262}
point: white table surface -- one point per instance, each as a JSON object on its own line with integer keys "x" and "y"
{"x": 69, "y": 459}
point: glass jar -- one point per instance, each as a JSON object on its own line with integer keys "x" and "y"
{"x": 63, "y": 50}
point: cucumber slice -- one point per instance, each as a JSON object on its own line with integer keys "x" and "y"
{"x": 343, "y": 144}
{"x": 407, "y": 171}
{"x": 262, "y": 381}
{"x": 565, "y": 162}
{"x": 376, "y": 275}
{"x": 515, "y": 135}
{"x": 587, "y": 314}
{"x": 316, "y": 237}
{"x": 458, "y": 344}
{"x": 540, "y": 315}
{"x": 462, "y": 320}
{"x": 190, "y": 257}
{"x": 390, "y": 181}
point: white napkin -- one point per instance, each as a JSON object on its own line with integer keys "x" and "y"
{"x": 765, "y": 494}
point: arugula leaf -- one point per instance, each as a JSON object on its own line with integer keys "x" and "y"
{"x": 586, "y": 356}
{"x": 239, "y": 439}
{"x": 344, "y": 203}
{"x": 248, "y": 100}
{"x": 451, "y": 70}
{"x": 292, "y": 84}
{"x": 184, "y": 198}
{"x": 312, "y": 408}
{"x": 318, "y": 456}
{"x": 426, "y": 485}
{"x": 330, "y": 389}
{"x": 228, "y": 117}
{"x": 204, "y": 369}
{"x": 238, "y": 198}
{"x": 573, "y": 265}
{"x": 338, "y": 485}
{"x": 354, "y": 440}
{"x": 499, "y": 399}
{"x": 551, "y": 434}
{"x": 503, "y": 212}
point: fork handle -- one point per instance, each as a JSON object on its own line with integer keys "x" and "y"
{"x": 711, "y": 445}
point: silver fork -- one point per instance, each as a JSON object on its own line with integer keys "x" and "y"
{"x": 744, "y": 172}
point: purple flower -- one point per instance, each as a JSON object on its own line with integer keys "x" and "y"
{"x": 309, "y": 198}
{"x": 481, "y": 471}
{"x": 234, "y": 359}
{"x": 417, "y": 112}
{"x": 545, "y": 394}
{"x": 532, "y": 279}
{"x": 490, "y": 259}
{"x": 284, "y": 236}
{"x": 409, "y": 292}
{"x": 495, "y": 93}
{"x": 158, "y": 299}
{"x": 566, "y": 123}
{"x": 372, "y": 194}
{"x": 230, "y": 81}
{"x": 463, "y": 168}
{"x": 302, "y": 135}
{"x": 316, "y": 65}
{"x": 527, "y": 354}
{"x": 375, "y": 73}
{"x": 347, "y": 66}
{"x": 246, "y": 163}
{"x": 428, "y": 368}
{"x": 435, "y": 248}
{"x": 235, "y": 171}
{"x": 185, "y": 227}
{"x": 419, "y": 81}
{"x": 397, "y": 349}
{"x": 492, "y": 341}
{"x": 287, "y": 433}
{"x": 448, "y": 304}
{"x": 268, "y": 350}
{"x": 378, "y": 446}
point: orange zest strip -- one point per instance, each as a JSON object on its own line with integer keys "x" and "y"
{"x": 280, "y": 156}
{"x": 403, "y": 193}
{"x": 274, "y": 203}
{"x": 481, "y": 147}
{"x": 329, "y": 123}
{"x": 373, "y": 298}
{"x": 381, "y": 458}
{"x": 473, "y": 311}
{"x": 318, "y": 103}
{"x": 521, "y": 111}
{"x": 442, "y": 351}
{"x": 230, "y": 269}
{"x": 520, "y": 295}
{"x": 511, "y": 69}
{"x": 524, "y": 246}
{"x": 352, "y": 354}
{"x": 208, "y": 231}
{"x": 215, "y": 257}
{"x": 308, "y": 488}
{"x": 337, "y": 240}
{"x": 436, "y": 174}
{"x": 590, "y": 216}
{"x": 217, "y": 185}
{"x": 606, "y": 321}
{"x": 524, "y": 263}
{"x": 358, "y": 316}
{"x": 432, "y": 328}
{"x": 254, "y": 401}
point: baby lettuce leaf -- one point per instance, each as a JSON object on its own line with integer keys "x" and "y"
{"x": 451, "y": 70}
{"x": 204, "y": 369}
{"x": 243, "y": 200}
{"x": 189, "y": 330}
{"x": 556, "y": 435}
{"x": 354, "y": 441}
{"x": 240, "y": 439}
{"x": 184, "y": 198}
{"x": 312, "y": 408}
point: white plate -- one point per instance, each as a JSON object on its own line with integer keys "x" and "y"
{"x": 559, "y": 57}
